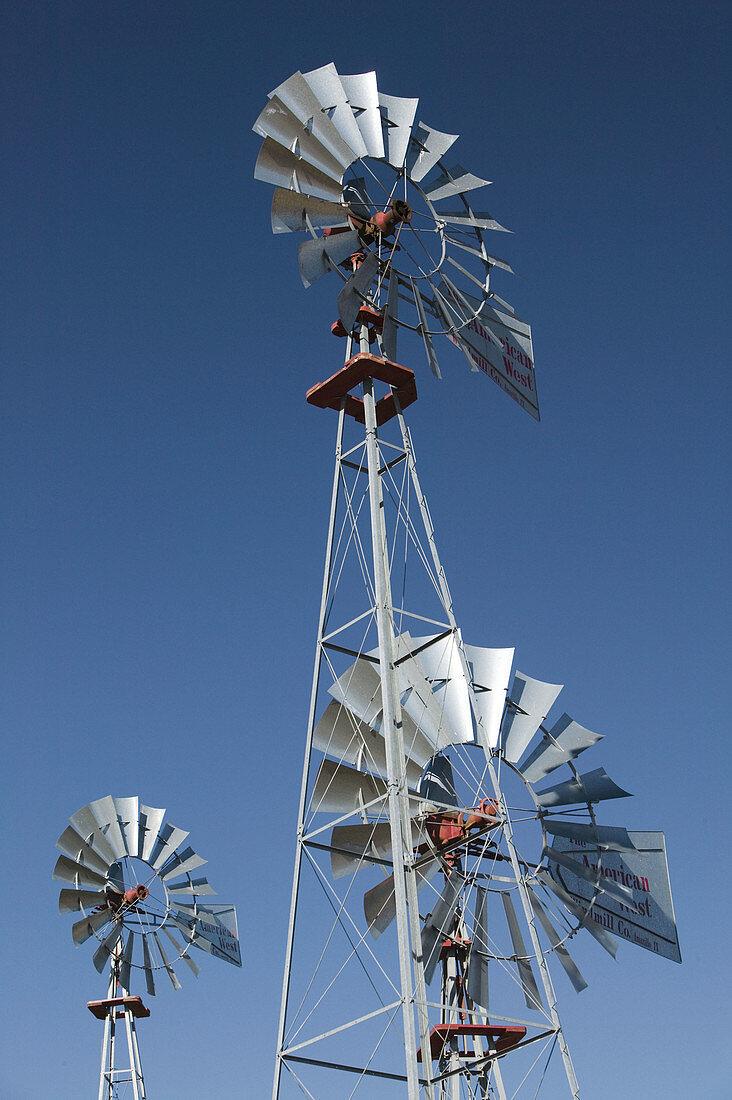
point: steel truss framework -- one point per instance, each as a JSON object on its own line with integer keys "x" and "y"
{"x": 358, "y": 1016}
{"x": 120, "y": 1076}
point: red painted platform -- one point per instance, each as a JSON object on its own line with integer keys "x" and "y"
{"x": 328, "y": 395}
{"x": 133, "y": 1005}
{"x": 499, "y": 1038}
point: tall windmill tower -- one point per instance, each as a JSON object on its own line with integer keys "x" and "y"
{"x": 447, "y": 847}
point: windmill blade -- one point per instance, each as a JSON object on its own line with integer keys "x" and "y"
{"x": 470, "y": 219}
{"x": 480, "y": 253}
{"x": 104, "y": 813}
{"x": 533, "y": 700}
{"x": 398, "y": 116}
{"x": 477, "y": 979}
{"x": 352, "y": 845}
{"x": 602, "y": 883}
{"x": 491, "y": 669}
{"x": 379, "y": 903}
{"x": 363, "y": 99}
{"x": 339, "y": 789}
{"x": 198, "y": 886}
{"x": 427, "y": 339}
{"x": 72, "y": 901}
{"x": 66, "y": 870}
{"x": 279, "y": 166}
{"x": 168, "y": 968}
{"x": 585, "y": 917}
{"x": 482, "y": 283}
{"x": 212, "y": 929}
{"x": 352, "y": 297}
{"x": 341, "y": 735}
{"x": 126, "y": 964}
{"x": 595, "y": 786}
{"x": 419, "y": 702}
{"x": 316, "y": 258}
{"x": 326, "y": 84}
{"x": 564, "y": 742}
{"x": 440, "y": 922}
{"x": 180, "y": 863}
{"x": 72, "y": 845}
{"x": 83, "y": 929}
{"x": 181, "y": 952}
{"x": 454, "y": 181}
{"x": 607, "y": 837}
{"x": 85, "y": 823}
{"x": 391, "y": 312}
{"x": 128, "y": 818}
{"x": 292, "y": 213}
{"x": 455, "y": 304}
{"x": 279, "y": 123}
{"x": 299, "y": 97}
{"x": 107, "y": 947}
{"x": 567, "y": 962}
{"x": 151, "y": 820}
{"x": 442, "y": 662}
{"x": 356, "y": 198}
{"x": 523, "y": 963}
{"x": 167, "y": 841}
{"x": 438, "y": 783}
{"x": 148, "y": 967}
{"x": 427, "y": 147}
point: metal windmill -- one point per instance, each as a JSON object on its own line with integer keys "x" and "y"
{"x": 131, "y": 879}
{"x": 426, "y": 820}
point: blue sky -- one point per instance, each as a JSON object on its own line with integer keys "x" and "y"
{"x": 165, "y": 486}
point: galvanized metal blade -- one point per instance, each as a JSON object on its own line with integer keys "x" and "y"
{"x": 107, "y": 947}
{"x": 428, "y": 346}
{"x": 482, "y": 283}
{"x": 104, "y": 812}
{"x": 363, "y": 99}
{"x": 491, "y": 669}
{"x": 356, "y": 198}
{"x": 379, "y": 904}
{"x": 523, "y": 963}
{"x": 471, "y": 219}
{"x": 66, "y": 870}
{"x": 151, "y": 820}
{"x": 128, "y": 819}
{"x": 351, "y": 298}
{"x": 480, "y": 253}
{"x": 84, "y": 929}
{"x": 340, "y": 789}
{"x": 352, "y": 845}
{"x": 167, "y": 841}
{"x": 279, "y": 123}
{"x": 317, "y": 257}
{"x": 72, "y": 901}
{"x": 148, "y": 967}
{"x": 299, "y": 97}
{"x": 440, "y": 923}
{"x": 198, "y": 886}
{"x": 214, "y": 929}
{"x": 279, "y": 166}
{"x": 593, "y": 875}
{"x": 181, "y": 952}
{"x": 454, "y": 181}
{"x": 477, "y": 980}
{"x": 326, "y": 84}
{"x": 398, "y": 115}
{"x": 391, "y": 312}
{"x": 587, "y": 920}
{"x": 564, "y": 742}
{"x": 419, "y": 702}
{"x": 72, "y": 845}
{"x": 180, "y": 863}
{"x": 85, "y": 823}
{"x": 341, "y": 735}
{"x": 595, "y": 786}
{"x": 532, "y": 699}
{"x": 442, "y": 662}
{"x": 427, "y": 147}
{"x": 125, "y": 969}
{"x": 608, "y": 837}
{"x": 168, "y": 968}
{"x": 293, "y": 213}
{"x": 464, "y": 308}
{"x": 567, "y": 962}
{"x": 438, "y": 783}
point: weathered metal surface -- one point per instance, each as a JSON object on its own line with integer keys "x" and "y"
{"x": 291, "y": 212}
{"x": 595, "y": 786}
{"x": 565, "y": 741}
{"x": 491, "y": 669}
{"x": 363, "y": 99}
{"x": 398, "y": 115}
{"x": 533, "y": 700}
{"x": 428, "y": 146}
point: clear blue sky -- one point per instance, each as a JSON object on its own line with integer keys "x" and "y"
{"x": 165, "y": 486}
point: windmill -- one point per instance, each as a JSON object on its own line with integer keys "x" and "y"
{"x": 448, "y": 847}
{"x": 130, "y": 878}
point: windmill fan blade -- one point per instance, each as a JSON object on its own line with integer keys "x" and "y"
{"x": 477, "y": 981}
{"x": 379, "y": 903}
{"x": 565, "y": 959}
{"x": 72, "y": 845}
{"x": 442, "y": 662}
{"x": 196, "y": 886}
{"x": 363, "y": 99}
{"x": 596, "y": 878}
{"x": 341, "y": 735}
{"x": 180, "y": 863}
{"x": 352, "y": 296}
{"x": 213, "y": 929}
{"x": 595, "y": 786}
{"x": 279, "y": 123}
{"x": 279, "y": 166}
{"x": 340, "y": 789}
{"x": 427, "y": 147}
{"x": 353, "y": 846}
{"x": 128, "y": 817}
{"x": 168, "y": 968}
{"x": 181, "y": 952}
{"x": 326, "y": 84}
{"x": 398, "y": 115}
{"x": 523, "y": 964}
{"x": 491, "y": 671}
{"x": 73, "y": 901}
{"x": 316, "y": 258}
{"x": 148, "y": 967}
{"x": 427, "y": 339}
{"x": 107, "y": 947}
{"x": 151, "y": 821}
{"x": 565, "y": 741}
{"x": 167, "y": 841}
{"x": 356, "y": 197}
{"x": 596, "y": 836}
{"x": 438, "y": 783}
{"x": 292, "y": 213}
{"x": 104, "y": 813}
{"x": 533, "y": 700}
{"x": 86, "y": 825}
{"x": 126, "y": 964}
{"x": 440, "y": 923}
{"x": 83, "y": 929}
{"x": 480, "y": 253}
{"x": 604, "y": 938}
{"x": 481, "y": 283}
{"x": 454, "y": 181}
{"x": 299, "y": 97}
{"x": 68, "y": 871}
{"x": 470, "y": 219}
{"x": 389, "y": 334}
